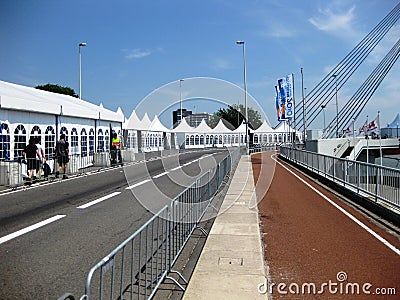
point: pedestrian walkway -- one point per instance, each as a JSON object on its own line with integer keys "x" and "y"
{"x": 231, "y": 265}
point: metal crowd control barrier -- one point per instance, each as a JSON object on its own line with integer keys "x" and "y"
{"x": 136, "y": 268}
{"x": 262, "y": 148}
{"x": 14, "y": 173}
{"x": 381, "y": 183}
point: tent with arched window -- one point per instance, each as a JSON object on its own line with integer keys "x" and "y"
{"x": 26, "y": 112}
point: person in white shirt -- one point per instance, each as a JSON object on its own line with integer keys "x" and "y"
{"x": 40, "y": 159}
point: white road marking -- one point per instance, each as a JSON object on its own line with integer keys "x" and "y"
{"x": 162, "y": 174}
{"x": 137, "y": 184}
{"x": 98, "y": 200}
{"x": 30, "y": 228}
{"x": 174, "y": 169}
{"x": 358, "y": 222}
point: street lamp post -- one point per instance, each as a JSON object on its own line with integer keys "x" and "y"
{"x": 180, "y": 98}
{"x": 397, "y": 129}
{"x": 323, "y": 106}
{"x": 245, "y": 95}
{"x": 337, "y": 107}
{"x": 303, "y": 91}
{"x": 80, "y": 69}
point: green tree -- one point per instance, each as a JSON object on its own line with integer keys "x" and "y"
{"x": 234, "y": 115}
{"x": 55, "y": 88}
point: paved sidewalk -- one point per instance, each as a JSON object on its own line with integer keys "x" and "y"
{"x": 231, "y": 265}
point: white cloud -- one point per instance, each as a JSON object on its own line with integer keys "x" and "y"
{"x": 329, "y": 20}
{"x": 136, "y": 53}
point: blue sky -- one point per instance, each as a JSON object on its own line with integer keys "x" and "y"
{"x": 135, "y": 47}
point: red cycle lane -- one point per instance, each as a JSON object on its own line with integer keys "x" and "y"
{"x": 320, "y": 250}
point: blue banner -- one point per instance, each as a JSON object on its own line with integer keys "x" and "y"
{"x": 284, "y": 98}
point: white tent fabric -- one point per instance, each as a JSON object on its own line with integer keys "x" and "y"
{"x": 145, "y": 122}
{"x": 133, "y": 123}
{"x": 183, "y": 127}
{"x": 221, "y": 128}
{"x": 283, "y": 127}
{"x": 157, "y": 126}
{"x": 23, "y": 98}
{"x": 203, "y": 128}
{"x": 242, "y": 128}
{"x": 264, "y": 127}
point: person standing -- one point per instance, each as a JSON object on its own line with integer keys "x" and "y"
{"x": 116, "y": 148}
{"x": 30, "y": 153}
{"x": 61, "y": 151}
{"x": 41, "y": 159}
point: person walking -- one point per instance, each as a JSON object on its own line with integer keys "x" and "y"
{"x": 41, "y": 159}
{"x": 30, "y": 153}
{"x": 61, "y": 151}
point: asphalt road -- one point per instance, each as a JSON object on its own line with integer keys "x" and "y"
{"x": 314, "y": 237}
{"x": 52, "y": 234}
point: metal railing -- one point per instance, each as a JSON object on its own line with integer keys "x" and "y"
{"x": 136, "y": 268}
{"x": 262, "y": 148}
{"x": 369, "y": 180}
{"x": 15, "y": 173}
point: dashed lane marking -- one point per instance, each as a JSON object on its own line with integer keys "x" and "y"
{"x": 137, "y": 184}
{"x": 30, "y": 228}
{"x": 98, "y": 200}
{"x": 162, "y": 174}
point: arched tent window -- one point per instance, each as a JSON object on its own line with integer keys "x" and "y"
{"x": 275, "y": 138}
{"x": 74, "y": 147}
{"x": 192, "y": 139}
{"x": 107, "y": 140}
{"x": 91, "y": 141}
{"x": 100, "y": 141}
{"x": 202, "y": 139}
{"x": 280, "y": 138}
{"x": 220, "y": 139}
{"x": 270, "y": 138}
{"x": 197, "y": 139}
{"x": 130, "y": 140}
{"x": 84, "y": 143}
{"x": 49, "y": 142}
{"x": 256, "y": 139}
{"x": 36, "y": 131}
{"x": 207, "y": 139}
{"x": 19, "y": 140}
{"x": 187, "y": 140}
{"x": 211, "y": 140}
{"x": 4, "y": 141}
{"x": 134, "y": 140}
{"x": 64, "y": 130}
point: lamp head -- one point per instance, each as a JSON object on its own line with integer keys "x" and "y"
{"x": 82, "y": 45}
{"x": 240, "y": 42}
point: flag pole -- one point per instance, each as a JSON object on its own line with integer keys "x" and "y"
{"x": 354, "y": 140}
{"x": 380, "y": 141}
{"x": 366, "y": 131}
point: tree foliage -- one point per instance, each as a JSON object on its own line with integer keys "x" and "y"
{"x": 234, "y": 115}
{"x": 55, "y": 88}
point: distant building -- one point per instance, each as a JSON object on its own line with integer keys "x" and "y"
{"x": 195, "y": 119}
{"x": 176, "y": 116}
